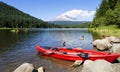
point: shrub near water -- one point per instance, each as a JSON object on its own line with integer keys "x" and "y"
{"x": 110, "y": 30}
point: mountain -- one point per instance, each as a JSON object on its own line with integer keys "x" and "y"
{"x": 14, "y": 18}
{"x": 68, "y": 22}
{"x": 71, "y": 24}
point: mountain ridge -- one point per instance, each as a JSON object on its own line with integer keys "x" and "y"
{"x": 68, "y": 22}
{"x": 12, "y": 17}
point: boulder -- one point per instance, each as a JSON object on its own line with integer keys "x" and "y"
{"x": 88, "y": 62}
{"x": 40, "y": 69}
{"x": 96, "y": 42}
{"x": 115, "y": 49}
{"x": 113, "y": 39}
{"x": 25, "y": 67}
{"x": 97, "y": 66}
{"x": 116, "y": 67}
{"x": 102, "y": 44}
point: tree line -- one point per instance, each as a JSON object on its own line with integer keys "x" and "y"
{"x": 108, "y": 13}
{"x": 14, "y": 18}
{"x": 83, "y": 25}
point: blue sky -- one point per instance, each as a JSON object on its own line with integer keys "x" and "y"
{"x": 47, "y": 10}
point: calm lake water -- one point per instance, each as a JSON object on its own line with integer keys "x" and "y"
{"x": 18, "y": 48}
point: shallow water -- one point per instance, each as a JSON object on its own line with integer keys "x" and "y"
{"x": 19, "y": 47}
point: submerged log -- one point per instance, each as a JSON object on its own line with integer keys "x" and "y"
{"x": 77, "y": 63}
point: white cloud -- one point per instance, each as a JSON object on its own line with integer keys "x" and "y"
{"x": 76, "y": 15}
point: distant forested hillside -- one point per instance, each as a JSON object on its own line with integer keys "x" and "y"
{"x": 108, "y": 13}
{"x": 68, "y": 22}
{"x": 71, "y": 24}
{"x": 14, "y": 18}
{"x": 83, "y": 25}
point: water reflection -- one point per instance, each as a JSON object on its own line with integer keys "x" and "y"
{"x": 8, "y": 39}
{"x": 70, "y": 37}
{"x": 17, "y": 48}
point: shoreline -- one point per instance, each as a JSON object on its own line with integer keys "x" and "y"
{"x": 105, "y": 31}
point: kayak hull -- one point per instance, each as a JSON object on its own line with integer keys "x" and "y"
{"x": 77, "y": 54}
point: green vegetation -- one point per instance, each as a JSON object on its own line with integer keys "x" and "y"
{"x": 4, "y": 28}
{"x": 107, "y": 14}
{"x": 83, "y": 25}
{"x": 107, "y": 19}
{"x": 11, "y": 17}
{"x": 72, "y": 24}
{"x": 111, "y": 30}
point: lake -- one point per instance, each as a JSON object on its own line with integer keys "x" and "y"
{"x": 19, "y": 47}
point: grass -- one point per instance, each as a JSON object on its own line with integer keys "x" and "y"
{"x": 111, "y": 30}
{"x": 4, "y": 28}
{"x": 14, "y": 30}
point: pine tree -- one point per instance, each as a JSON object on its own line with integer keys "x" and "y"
{"x": 107, "y": 14}
{"x": 14, "y": 18}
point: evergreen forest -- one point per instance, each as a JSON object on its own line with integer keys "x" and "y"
{"x": 107, "y": 14}
{"x": 13, "y": 18}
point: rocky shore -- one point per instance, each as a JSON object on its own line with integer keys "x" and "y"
{"x": 97, "y": 66}
{"x": 110, "y": 44}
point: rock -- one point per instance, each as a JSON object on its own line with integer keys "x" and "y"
{"x": 115, "y": 49}
{"x": 102, "y": 44}
{"x": 116, "y": 67}
{"x": 118, "y": 59}
{"x": 77, "y": 63}
{"x": 87, "y": 62}
{"x": 97, "y": 66}
{"x": 108, "y": 39}
{"x": 106, "y": 43}
{"x": 25, "y": 67}
{"x": 40, "y": 69}
{"x": 96, "y": 42}
{"x": 114, "y": 39}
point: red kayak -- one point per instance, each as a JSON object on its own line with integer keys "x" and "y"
{"x": 76, "y": 54}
